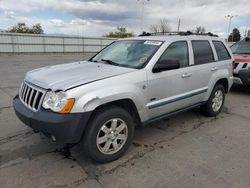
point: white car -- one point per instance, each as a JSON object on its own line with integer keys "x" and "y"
{"x": 131, "y": 82}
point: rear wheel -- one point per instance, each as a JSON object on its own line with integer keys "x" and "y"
{"x": 215, "y": 102}
{"x": 109, "y": 134}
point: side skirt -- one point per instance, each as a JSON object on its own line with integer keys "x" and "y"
{"x": 158, "y": 118}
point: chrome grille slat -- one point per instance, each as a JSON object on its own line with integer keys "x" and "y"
{"x": 26, "y": 95}
{"x": 34, "y": 101}
{"x": 21, "y": 90}
{"x": 25, "y": 89}
{"x": 31, "y": 96}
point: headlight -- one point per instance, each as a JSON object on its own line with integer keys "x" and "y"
{"x": 57, "y": 102}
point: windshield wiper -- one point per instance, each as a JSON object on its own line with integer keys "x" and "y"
{"x": 93, "y": 61}
{"x": 108, "y": 61}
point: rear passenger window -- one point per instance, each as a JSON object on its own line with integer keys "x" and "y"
{"x": 202, "y": 52}
{"x": 221, "y": 51}
{"x": 177, "y": 51}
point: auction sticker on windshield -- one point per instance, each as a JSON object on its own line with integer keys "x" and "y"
{"x": 151, "y": 42}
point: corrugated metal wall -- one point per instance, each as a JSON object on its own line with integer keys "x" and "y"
{"x": 29, "y": 43}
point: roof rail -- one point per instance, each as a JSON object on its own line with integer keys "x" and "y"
{"x": 182, "y": 33}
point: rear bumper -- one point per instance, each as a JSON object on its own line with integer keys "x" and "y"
{"x": 243, "y": 77}
{"x": 66, "y": 128}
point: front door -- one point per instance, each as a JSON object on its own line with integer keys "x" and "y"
{"x": 172, "y": 90}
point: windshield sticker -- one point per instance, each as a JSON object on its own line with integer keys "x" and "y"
{"x": 151, "y": 42}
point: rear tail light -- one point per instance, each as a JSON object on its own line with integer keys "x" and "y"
{"x": 233, "y": 66}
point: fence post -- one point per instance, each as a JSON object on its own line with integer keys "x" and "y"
{"x": 101, "y": 43}
{"x": 44, "y": 47}
{"x": 12, "y": 42}
{"x": 63, "y": 41}
{"x": 83, "y": 47}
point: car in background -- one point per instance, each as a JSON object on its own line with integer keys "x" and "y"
{"x": 241, "y": 52}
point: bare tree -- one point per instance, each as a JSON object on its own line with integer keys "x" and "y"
{"x": 200, "y": 30}
{"x": 161, "y": 27}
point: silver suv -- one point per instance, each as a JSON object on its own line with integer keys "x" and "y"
{"x": 131, "y": 82}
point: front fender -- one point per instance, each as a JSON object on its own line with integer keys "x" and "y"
{"x": 93, "y": 99}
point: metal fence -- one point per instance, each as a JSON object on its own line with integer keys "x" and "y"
{"x": 34, "y": 43}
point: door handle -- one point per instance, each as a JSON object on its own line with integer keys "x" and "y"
{"x": 186, "y": 75}
{"x": 214, "y": 68}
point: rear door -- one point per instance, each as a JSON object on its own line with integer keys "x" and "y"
{"x": 202, "y": 67}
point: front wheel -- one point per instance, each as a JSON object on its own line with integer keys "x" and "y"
{"x": 109, "y": 134}
{"x": 215, "y": 102}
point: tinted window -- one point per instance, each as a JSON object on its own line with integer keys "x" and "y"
{"x": 241, "y": 48}
{"x": 202, "y": 52}
{"x": 177, "y": 51}
{"x": 221, "y": 50}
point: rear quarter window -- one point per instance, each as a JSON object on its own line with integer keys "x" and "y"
{"x": 221, "y": 51}
{"x": 202, "y": 52}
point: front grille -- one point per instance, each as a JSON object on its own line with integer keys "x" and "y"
{"x": 236, "y": 75}
{"x": 244, "y": 66}
{"x": 235, "y": 65}
{"x": 31, "y": 96}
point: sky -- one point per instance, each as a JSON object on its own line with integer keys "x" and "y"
{"x": 98, "y": 17}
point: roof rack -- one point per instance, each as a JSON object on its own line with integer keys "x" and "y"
{"x": 182, "y": 33}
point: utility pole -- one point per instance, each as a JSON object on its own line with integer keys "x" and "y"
{"x": 143, "y": 2}
{"x": 179, "y": 24}
{"x": 230, "y": 17}
{"x": 245, "y": 35}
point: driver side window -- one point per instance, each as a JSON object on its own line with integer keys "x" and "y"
{"x": 177, "y": 51}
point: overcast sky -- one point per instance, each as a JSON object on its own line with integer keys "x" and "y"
{"x": 97, "y": 17}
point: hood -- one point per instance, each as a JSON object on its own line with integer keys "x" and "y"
{"x": 242, "y": 58}
{"x": 65, "y": 76}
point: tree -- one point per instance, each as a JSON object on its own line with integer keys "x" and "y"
{"x": 37, "y": 29}
{"x": 200, "y": 30}
{"x": 120, "y": 33}
{"x": 22, "y": 28}
{"x": 161, "y": 27}
{"x": 234, "y": 36}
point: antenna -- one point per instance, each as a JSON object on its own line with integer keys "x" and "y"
{"x": 143, "y": 2}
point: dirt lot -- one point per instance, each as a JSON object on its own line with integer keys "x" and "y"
{"x": 187, "y": 150}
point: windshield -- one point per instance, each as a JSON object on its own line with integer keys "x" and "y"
{"x": 128, "y": 53}
{"x": 241, "y": 48}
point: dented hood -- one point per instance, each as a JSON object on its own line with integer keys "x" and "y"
{"x": 66, "y": 76}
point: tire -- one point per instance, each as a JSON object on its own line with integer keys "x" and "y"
{"x": 114, "y": 128}
{"x": 215, "y": 102}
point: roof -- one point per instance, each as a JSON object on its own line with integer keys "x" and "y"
{"x": 167, "y": 37}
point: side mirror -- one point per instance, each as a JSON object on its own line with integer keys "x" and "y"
{"x": 166, "y": 64}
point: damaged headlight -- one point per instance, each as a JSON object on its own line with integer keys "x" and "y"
{"x": 57, "y": 102}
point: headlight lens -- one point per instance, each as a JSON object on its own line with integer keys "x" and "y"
{"x": 56, "y": 101}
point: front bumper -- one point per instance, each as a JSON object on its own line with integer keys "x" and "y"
{"x": 66, "y": 128}
{"x": 243, "y": 77}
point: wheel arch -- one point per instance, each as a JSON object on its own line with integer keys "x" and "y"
{"x": 224, "y": 82}
{"x": 125, "y": 103}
